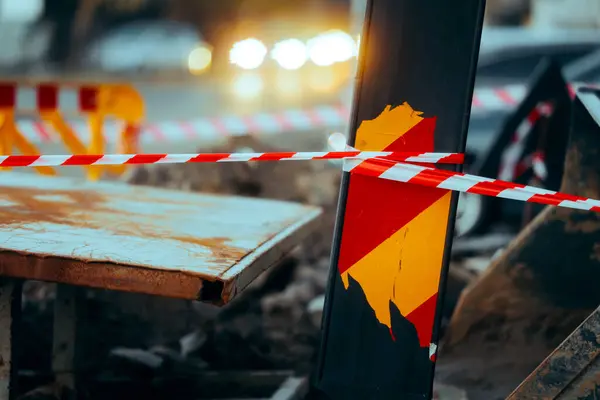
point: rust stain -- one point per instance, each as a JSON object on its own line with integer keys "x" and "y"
{"x": 83, "y": 209}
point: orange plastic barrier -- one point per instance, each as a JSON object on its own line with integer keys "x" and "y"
{"x": 96, "y": 102}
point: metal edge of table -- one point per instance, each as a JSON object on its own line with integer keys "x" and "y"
{"x": 271, "y": 252}
{"x": 176, "y": 284}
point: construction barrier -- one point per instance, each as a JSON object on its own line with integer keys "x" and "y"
{"x": 97, "y": 103}
{"x": 327, "y": 116}
{"x": 297, "y": 119}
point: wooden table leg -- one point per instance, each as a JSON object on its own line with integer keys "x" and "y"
{"x": 10, "y": 313}
{"x": 67, "y": 308}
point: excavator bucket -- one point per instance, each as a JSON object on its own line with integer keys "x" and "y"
{"x": 537, "y": 291}
{"x": 571, "y": 371}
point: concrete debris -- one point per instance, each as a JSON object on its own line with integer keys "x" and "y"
{"x": 447, "y": 392}
{"x": 315, "y": 310}
{"x": 138, "y": 356}
{"x": 192, "y": 342}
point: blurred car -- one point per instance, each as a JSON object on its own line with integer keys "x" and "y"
{"x": 157, "y": 46}
{"x": 291, "y": 60}
{"x": 508, "y": 55}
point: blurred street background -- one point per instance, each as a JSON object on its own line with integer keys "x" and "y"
{"x": 194, "y": 59}
{"x": 279, "y": 71}
{"x": 264, "y": 75}
{"x": 282, "y": 72}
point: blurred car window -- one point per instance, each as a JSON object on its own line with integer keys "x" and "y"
{"x": 585, "y": 69}
{"x": 149, "y": 44}
{"x": 521, "y": 65}
{"x": 509, "y": 55}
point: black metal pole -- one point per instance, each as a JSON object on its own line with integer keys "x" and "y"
{"x": 423, "y": 52}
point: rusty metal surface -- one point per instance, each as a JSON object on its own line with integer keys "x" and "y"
{"x": 565, "y": 364}
{"x": 586, "y": 386}
{"x": 148, "y": 240}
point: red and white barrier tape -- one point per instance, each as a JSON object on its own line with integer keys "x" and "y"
{"x": 431, "y": 177}
{"x": 509, "y": 162}
{"x": 497, "y": 98}
{"x": 130, "y": 159}
{"x": 365, "y": 163}
{"x": 538, "y": 164}
{"x": 318, "y": 117}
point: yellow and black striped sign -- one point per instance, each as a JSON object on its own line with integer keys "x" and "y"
{"x": 414, "y": 90}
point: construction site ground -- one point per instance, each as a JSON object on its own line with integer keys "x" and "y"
{"x": 147, "y": 347}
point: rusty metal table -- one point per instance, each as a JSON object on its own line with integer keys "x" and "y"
{"x": 115, "y": 236}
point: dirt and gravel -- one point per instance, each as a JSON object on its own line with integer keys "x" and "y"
{"x": 155, "y": 348}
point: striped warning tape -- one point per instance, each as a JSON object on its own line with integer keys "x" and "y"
{"x": 390, "y": 165}
{"x": 326, "y": 116}
{"x": 124, "y": 159}
{"x": 318, "y": 117}
{"x": 510, "y": 168}
{"x": 497, "y": 98}
{"x": 449, "y": 180}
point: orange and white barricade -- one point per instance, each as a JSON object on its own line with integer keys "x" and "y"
{"x": 98, "y": 103}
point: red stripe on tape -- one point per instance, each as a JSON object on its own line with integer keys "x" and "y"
{"x": 505, "y": 96}
{"x": 82, "y": 159}
{"x": 490, "y": 188}
{"x": 431, "y": 176}
{"x": 274, "y": 156}
{"x": 42, "y": 131}
{"x": 214, "y": 157}
{"x": 219, "y": 126}
{"x": 145, "y": 158}
{"x": 156, "y": 132}
{"x": 454, "y": 159}
{"x": 21, "y": 161}
{"x": 337, "y": 154}
{"x": 283, "y": 121}
{"x": 188, "y": 130}
{"x": 373, "y": 167}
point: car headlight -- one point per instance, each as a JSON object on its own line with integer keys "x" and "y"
{"x": 331, "y": 47}
{"x": 199, "y": 59}
{"x": 290, "y": 54}
{"x": 248, "y": 53}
